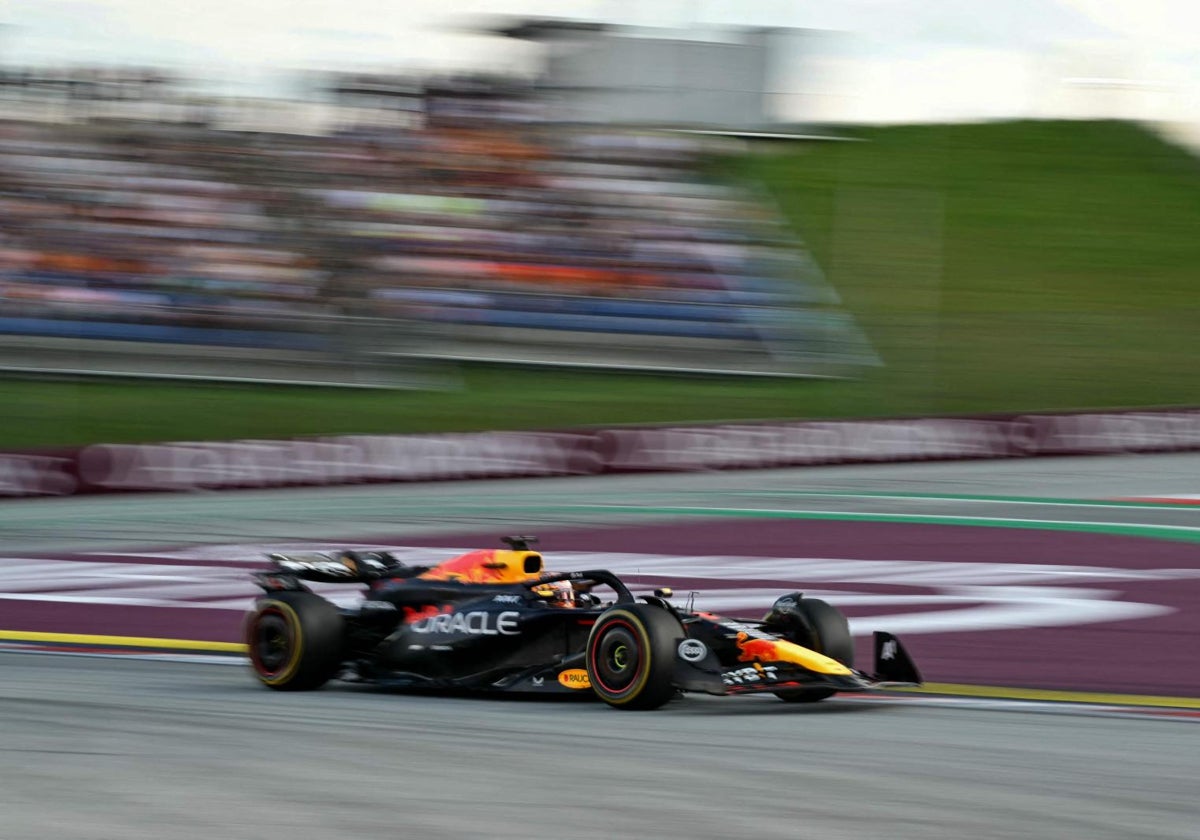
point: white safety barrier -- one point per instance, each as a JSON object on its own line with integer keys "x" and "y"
{"x": 354, "y": 459}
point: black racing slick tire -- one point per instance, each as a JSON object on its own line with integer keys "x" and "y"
{"x": 631, "y": 656}
{"x": 819, "y": 626}
{"x": 294, "y": 640}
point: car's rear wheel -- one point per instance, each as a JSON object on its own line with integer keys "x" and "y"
{"x": 820, "y": 626}
{"x": 294, "y": 640}
{"x": 631, "y": 656}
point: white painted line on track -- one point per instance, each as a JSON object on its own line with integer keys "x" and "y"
{"x": 933, "y": 518}
{"x": 1135, "y": 503}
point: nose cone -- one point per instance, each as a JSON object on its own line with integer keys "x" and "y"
{"x": 779, "y": 650}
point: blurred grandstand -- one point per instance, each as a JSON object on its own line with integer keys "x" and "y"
{"x": 388, "y": 220}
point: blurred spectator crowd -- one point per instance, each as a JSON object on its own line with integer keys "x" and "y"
{"x": 485, "y": 213}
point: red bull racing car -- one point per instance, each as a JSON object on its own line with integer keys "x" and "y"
{"x": 495, "y": 620}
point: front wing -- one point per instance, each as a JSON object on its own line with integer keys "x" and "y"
{"x": 894, "y": 668}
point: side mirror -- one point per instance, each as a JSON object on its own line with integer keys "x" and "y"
{"x": 664, "y": 592}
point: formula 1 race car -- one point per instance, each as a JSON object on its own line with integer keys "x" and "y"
{"x": 494, "y": 620}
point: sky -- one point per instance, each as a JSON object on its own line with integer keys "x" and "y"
{"x": 883, "y": 61}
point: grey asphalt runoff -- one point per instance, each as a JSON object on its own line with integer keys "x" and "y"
{"x": 108, "y": 749}
{"x": 115, "y": 521}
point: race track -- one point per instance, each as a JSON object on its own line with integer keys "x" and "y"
{"x": 1058, "y": 577}
{"x": 96, "y": 749}
{"x": 1010, "y": 573}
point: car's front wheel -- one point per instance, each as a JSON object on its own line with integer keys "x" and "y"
{"x": 816, "y": 625}
{"x": 294, "y": 640}
{"x": 631, "y": 656}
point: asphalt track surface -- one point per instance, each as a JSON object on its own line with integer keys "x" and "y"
{"x": 1022, "y": 573}
{"x": 110, "y": 748}
{"x": 492, "y": 507}
{"x": 94, "y": 749}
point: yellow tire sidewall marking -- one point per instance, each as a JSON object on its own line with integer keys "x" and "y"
{"x": 639, "y": 629}
{"x": 289, "y": 670}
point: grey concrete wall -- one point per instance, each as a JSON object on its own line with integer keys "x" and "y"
{"x": 665, "y": 81}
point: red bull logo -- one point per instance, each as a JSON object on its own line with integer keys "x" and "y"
{"x": 757, "y": 650}
{"x": 488, "y": 566}
{"x": 760, "y": 649}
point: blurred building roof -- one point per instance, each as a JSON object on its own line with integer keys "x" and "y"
{"x": 542, "y": 29}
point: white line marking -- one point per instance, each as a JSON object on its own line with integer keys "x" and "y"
{"x": 918, "y": 517}
{"x": 1132, "y": 503}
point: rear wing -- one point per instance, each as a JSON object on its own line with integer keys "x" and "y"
{"x": 342, "y": 566}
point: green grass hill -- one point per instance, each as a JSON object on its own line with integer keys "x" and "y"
{"x": 995, "y": 267}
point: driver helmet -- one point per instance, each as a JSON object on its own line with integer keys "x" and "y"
{"x": 560, "y": 593}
